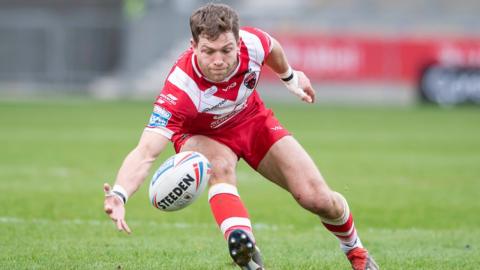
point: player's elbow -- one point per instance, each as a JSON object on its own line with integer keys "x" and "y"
{"x": 150, "y": 146}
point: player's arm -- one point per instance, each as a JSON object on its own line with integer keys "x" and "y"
{"x": 296, "y": 81}
{"x": 132, "y": 173}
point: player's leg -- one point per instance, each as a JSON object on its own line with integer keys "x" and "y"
{"x": 288, "y": 165}
{"x": 227, "y": 207}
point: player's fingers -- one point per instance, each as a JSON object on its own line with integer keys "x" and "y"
{"x": 125, "y": 227}
{"x": 119, "y": 224}
{"x": 303, "y": 95}
{"x": 307, "y": 99}
{"x": 298, "y": 92}
{"x": 311, "y": 98}
{"x": 106, "y": 188}
{"x": 310, "y": 92}
{"x": 309, "y": 89}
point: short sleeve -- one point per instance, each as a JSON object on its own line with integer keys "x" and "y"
{"x": 171, "y": 110}
{"x": 264, "y": 37}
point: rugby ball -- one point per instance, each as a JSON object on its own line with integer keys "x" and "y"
{"x": 179, "y": 181}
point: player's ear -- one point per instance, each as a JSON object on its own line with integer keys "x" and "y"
{"x": 192, "y": 43}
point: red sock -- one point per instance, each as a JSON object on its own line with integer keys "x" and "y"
{"x": 344, "y": 229}
{"x": 228, "y": 209}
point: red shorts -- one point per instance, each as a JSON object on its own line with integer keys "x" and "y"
{"x": 249, "y": 140}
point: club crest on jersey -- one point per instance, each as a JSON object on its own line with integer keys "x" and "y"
{"x": 250, "y": 80}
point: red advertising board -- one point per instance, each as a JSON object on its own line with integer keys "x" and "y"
{"x": 373, "y": 59}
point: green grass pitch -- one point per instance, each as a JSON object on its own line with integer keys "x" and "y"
{"x": 411, "y": 175}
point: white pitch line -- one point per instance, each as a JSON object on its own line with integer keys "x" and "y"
{"x": 94, "y": 222}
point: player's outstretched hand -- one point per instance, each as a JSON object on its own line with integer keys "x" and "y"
{"x": 305, "y": 84}
{"x": 115, "y": 209}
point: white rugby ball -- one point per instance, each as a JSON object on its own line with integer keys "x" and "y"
{"x": 179, "y": 181}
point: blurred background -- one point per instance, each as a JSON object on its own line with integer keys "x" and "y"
{"x": 77, "y": 83}
{"x": 355, "y": 51}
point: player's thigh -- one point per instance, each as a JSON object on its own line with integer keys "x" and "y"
{"x": 222, "y": 159}
{"x": 288, "y": 165}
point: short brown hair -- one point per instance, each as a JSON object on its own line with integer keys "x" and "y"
{"x": 212, "y": 20}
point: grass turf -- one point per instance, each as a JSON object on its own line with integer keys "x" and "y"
{"x": 411, "y": 176}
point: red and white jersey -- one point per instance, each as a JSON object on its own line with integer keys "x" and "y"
{"x": 190, "y": 103}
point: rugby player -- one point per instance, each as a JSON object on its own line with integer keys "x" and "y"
{"x": 209, "y": 104}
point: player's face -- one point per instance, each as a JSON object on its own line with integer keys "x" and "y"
{"x": 218, "y": 58}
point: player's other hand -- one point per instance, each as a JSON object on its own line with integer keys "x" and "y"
{"x": 115, "y": 209}
{"x": 300, "y": 86}
{"x": 305, "y": 85}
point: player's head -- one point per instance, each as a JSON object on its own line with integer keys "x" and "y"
{"x": 215, "y": 40}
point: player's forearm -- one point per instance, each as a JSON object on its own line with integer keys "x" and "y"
{"x": 277, "y": 60}
{"x": 134, "y": 170}
{"x": 137, "y": 164}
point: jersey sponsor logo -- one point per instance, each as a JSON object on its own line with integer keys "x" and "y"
{"x": 162, "y": 111}
{"x": 168, "y": 98}
{"x": 232, "y": 85}
{"x": 159, "y": 117}
{"x": 275, "y": 128}
{"x": 223, "y": 118}
{"x": 172, "y": 97}
{"x": 214, "y": 106}
{"x": 250, "y": 80}
{"x": 210, "y": 91}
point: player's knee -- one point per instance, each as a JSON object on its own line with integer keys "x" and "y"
{"x": 222, "y": 171}
{"x": 315, "y": 197}
{"x": 318, "y": 204}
